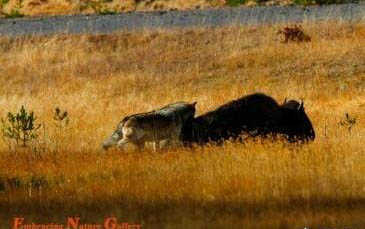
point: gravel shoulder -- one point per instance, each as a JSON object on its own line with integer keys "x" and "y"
{"x": 103, "y": 24}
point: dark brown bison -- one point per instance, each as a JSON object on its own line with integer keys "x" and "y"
{"x": 252, "y": 115}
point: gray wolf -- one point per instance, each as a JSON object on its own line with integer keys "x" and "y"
{"x": 154, "y": 126}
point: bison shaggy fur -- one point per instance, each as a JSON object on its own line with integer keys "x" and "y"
{"x": 252, "y": 115}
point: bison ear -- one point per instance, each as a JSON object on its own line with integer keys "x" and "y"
{"x": 194, "y": 103}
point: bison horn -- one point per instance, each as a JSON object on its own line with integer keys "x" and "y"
{"x": 285, "y": 100}
{"x": 194, "y": 103}
{"x": 301, "y": 105}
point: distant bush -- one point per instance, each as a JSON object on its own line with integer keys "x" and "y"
{"x": 61, "y": 120}
{"x": 15, "y": 12}
{"x": 304, "y": 2}
{"x": 235, "y": 2}
{"x": 3, "y": 2}
{"x": 294, "y": 33}
{"x": 348, "y": 123}
{"x": 99, "y": 7}
{"x": 261, "y": 1}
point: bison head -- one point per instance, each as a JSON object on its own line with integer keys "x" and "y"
{"x": 295, "y": 122}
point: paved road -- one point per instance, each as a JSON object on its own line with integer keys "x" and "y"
{"x": 99, "y": 24}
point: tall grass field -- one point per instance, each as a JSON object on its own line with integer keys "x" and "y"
{"x": 99, "y": 79}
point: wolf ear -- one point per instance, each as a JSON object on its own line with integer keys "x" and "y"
{"x": 194, "y": 103}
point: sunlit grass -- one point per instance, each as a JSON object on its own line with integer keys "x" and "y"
{"x": 100, "y": 79}
{"x": 12, "y": 8}
{"x": 64, "y": 7}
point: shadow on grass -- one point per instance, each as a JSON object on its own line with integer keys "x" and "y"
{"x": 295, "y": 213}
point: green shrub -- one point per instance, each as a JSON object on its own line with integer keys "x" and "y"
{"x": 235, "y": 2}
{"x": 14, "y": 12}
{"x": 99, "y": 7}
{"x": 20, "y": 127}
{"x": 2, "y": 3}
{"x": 303, "y": 2}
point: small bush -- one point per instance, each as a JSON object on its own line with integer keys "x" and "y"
{"x": 15, "y": 12}
{"x": 61, "y": 118}
{"x": 294, "y": 33}
{"x": 304, "y": 2}
{"x": 99, "y": 7}
{"x": 349, "y": 122}
{"x": 235, "y": 2}
{"x": 20, "y": 127}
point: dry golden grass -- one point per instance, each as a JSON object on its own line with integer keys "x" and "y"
{"x": 100, "y": 79}
{"x": 67, "y": 7}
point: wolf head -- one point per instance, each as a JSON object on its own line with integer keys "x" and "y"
{"x": 115, "y": 137}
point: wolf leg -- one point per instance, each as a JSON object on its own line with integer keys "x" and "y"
{"x": 133, "y": 136}
{"x": 156, "y": 146}
{"x": 165, "y": 144}
{"x": 169, "y": 143}
{"x": 176, "y": 139}
{"x": 138, "y": 145}
{"x": 121, "y": 144}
